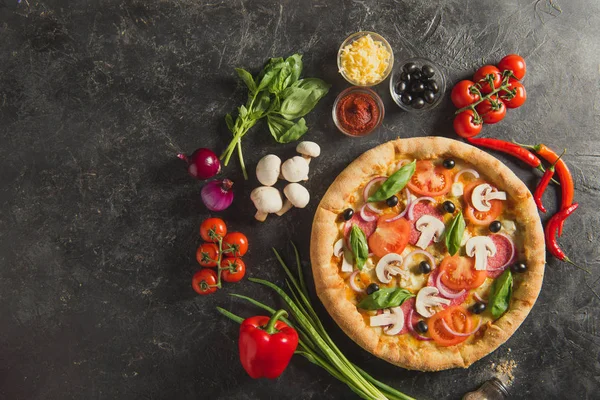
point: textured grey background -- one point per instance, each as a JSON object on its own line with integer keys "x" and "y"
{"x": 98, "y": 220}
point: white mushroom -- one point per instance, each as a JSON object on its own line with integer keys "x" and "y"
{"x": 482, "y": 194}
{"x": 268, "y": 169}
{"x": 430, "y": 228}
{"x": 347, "y": 259}
{"x": 267, "y": 200}
{"x": 388, "y": 266}
{"x": 338, "y": 248}
{"x": 295, "y": 169}
{"x": 481, "y": 247}
{"x": 308, "y": 150}
{"x": 427, "y": 299}
{"x": 393, "y": 321}
{"x": 296, "y": 196}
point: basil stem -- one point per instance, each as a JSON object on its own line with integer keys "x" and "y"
{"x": 394, "y": 183}
{"x": 385, "y": 298}
{"x": 500, "y": 294}
{"x": 360, "y": 249}
{"x": 454, "y": 233}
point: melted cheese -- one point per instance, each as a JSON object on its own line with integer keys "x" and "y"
{"x": 365, "y": 60}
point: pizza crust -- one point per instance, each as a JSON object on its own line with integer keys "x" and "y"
{"x": 331, "y": 288}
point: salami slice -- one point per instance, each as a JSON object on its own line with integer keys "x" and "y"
{"x": 368, "y": 227}
{"x": 420, "y": 209}
{"x": 406, "y": 307}
{"x": 453, "y": 302}
{"x": 505, "y": 255}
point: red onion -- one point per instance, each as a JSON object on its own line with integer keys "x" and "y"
{"x": 202, "y": 164}
{"x": 453, "y": 332}
{"x": 352, "y": 282}
{"x": 217, "y": 195}
{"x": 465, "y": 171}
{"x": 414, "y": 203}
{"x": 411, "y": 328}
{"x": 444, "y": 290}
{"x": 408, "y": 201}
{"x": 400, "y": 163}
{"x": 366, "y": 193}
{"x": 410, "y": 255}
{"x": 478, "y": 298}
{"x": 512, "y": 253}
{"x": 366, "y": 217}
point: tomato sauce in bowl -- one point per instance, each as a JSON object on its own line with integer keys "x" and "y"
{"x": 358, "y": 111}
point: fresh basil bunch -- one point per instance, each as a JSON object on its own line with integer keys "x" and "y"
{"x": 278, "y": 94}
{"x": 385, "y": 298}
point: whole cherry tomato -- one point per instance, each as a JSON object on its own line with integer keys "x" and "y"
{"x": 515, "y": 64}
{"x": 481, "y": 75}
{"x": 213, "y": 228}
{"x": 207, "y": 254}
{"x": 236, "y": 269}
{"x": 205, "y": 281}
{"x": 235, "y": 244}
{"x": 492, "y": 110}
{"x": 464, "y": 93}
{"x": 466, "y": 125}
{"x": 517, "y": 95}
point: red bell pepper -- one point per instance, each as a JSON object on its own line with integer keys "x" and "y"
{"x": 266, "y": 345}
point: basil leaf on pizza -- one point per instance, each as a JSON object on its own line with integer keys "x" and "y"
{"x": 358, "y": 244}
{"x": 394, "y": 183}
{"x": 385, "y": 298}
{"x": 454, "y": 233}
{"x": 501, "y": 293}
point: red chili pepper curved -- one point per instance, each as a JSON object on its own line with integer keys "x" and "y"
{"x": 509, "y": 148}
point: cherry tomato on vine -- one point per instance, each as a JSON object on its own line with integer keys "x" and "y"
{"x": 514, "y": 63}
{"x": 205, "y": 281}
{"x": 235, "y": 244}
{"x": 466, "y": 125}
{"x": 520, "y": 95}
{"x": 211, "y": 228}
{"x": 480, "y": 77}
{"x": 491, "y": 110}
{"x": 207, "y": 254}
{"x": 464, "y": 93}
{"x": 236, "y": 269}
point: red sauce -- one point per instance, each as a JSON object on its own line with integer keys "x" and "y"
{"x": 357, "y": 113}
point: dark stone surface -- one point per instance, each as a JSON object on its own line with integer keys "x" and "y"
{"x": 98, "y": 220}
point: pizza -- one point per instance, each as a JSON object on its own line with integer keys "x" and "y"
{"x": 428, "y": 252}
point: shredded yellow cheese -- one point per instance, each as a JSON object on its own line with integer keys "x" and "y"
{"x": 365, "y": 60}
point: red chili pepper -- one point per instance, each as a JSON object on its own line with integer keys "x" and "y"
{"x": 266, "y": 345}
{"x": 509, "y": 148}
{"x": 567, "y": 188}
{"x": 543, "y": 185}
{"x": 550, "y": 232}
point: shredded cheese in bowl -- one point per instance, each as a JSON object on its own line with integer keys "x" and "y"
{"x": 365, "y": 59}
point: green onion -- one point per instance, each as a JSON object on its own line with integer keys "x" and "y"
{"x": 315, "y": 344}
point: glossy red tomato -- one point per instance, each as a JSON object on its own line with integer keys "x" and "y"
{"x": 235, "y": 244}
{"x": 212, "y": 229}
{"x": 207, "y": 254}
{"x": 464, "y": 93}
{"x": 467, "y": 125}
{"x": 517, "y": 94}
{"x": 389, "y": 237}
{"x": 430, "y": 180}
{"x": 514, "y": 63}
{"x": 480, "y": 217}
{"x": 457, "y": 319}
{"x": 236, "y": 269}
{"x": 481, "y": 75}
{"x": 491, "y": 111}
{"x": 205, "y": 281}
{"x": 460, "y": 273}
